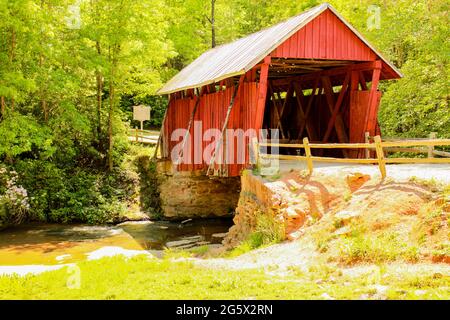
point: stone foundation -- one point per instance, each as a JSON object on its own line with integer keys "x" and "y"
{"x": 294, "y": 200}
{"x": 187, "y": 195}
{"x": 255, "y": 197}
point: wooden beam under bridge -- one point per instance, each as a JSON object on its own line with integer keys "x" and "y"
{"x": 365, "y": 66}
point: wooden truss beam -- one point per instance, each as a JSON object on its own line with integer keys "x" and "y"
{"x": 304, "y": 110}
{"x": 365, "y": 66}
{"x": 304, "y": 125}
{"x": 336, "y": 109}
{"x": 339, "y": 122}
{"x": 277, "y": 110}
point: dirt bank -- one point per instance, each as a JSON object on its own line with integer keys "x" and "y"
{"x": 349, "y": 217}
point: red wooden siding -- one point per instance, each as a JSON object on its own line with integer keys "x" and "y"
{"x": 211, "y": 111}
{"x": 359, "y": 101}
{"x": 326, "y": 37}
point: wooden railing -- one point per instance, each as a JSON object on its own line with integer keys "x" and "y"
{"x": 379, "y": 146}
{"x": 429, "y": 150}
{"x": 142, "y": 136}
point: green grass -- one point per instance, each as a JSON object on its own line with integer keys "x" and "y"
{"x": 267, "y": 232}
{"x": 433, "y": 184}
{"x": 379, "y": 248}
{"x": 200, "y": 251}
{"x": 143, "y": 278}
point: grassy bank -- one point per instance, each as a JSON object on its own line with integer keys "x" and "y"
{"x": 142, "y": 278}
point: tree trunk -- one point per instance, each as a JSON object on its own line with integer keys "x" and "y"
{"x": 45, "y": 109}
{"x": 11, "y": 59}
{"x": 13, "y": 46}
{"x": 99, "y": 97}
{"x": 43, "y": 99}
{"x": 110, "y": 133}
{"x": 43, "y": 87}
{"x": 110, "y": 115}
{"x": 213, "y": 24}
{"x": 2, "y": 106}
{"x": 111, "y": 108}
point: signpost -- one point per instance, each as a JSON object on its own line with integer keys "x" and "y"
{"x": 141, "y": 113}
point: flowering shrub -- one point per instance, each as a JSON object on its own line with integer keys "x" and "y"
{"x": 14, "y": 203}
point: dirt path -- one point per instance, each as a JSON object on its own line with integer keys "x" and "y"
{"x": 398, "y": 172}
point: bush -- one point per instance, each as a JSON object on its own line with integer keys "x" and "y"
{"x": 74, "y": 195}
{"x": 13, "y": 198}
{"x": 23, "y": 135}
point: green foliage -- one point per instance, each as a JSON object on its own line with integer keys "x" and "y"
{"x": 386, "y": 247}
{"x": 61, "y": 77}
{"x": 68, "y": 82}
{"x": 14, "y": 201}
{"x": 77, "y": 196}
{"x": 22, "y": 134}
{"x": 267, "y": 231}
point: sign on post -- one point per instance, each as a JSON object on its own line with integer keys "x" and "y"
{"x": 141, "y": 113}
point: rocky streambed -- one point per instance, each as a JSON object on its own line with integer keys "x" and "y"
{"x": 40, "y": 246}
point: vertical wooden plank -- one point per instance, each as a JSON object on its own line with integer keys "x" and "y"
{"x": 338, "y": 41}
{"x": 262, "y": 94}
{"x": 366, "y": 140}
{"x": 301, "y": 42}
{"x": 432, "y": 136}
{"x": 354, "y": 80}
{"x": 373, "y": 100}
{"x": 330, "y": 35}
{"x": 309, "y": 161}
{"x": 255, "y": 151}
{"x": 353, "y": 110}
{"x": 380, "y": 156}
{"x": 294, "y": 46}
{"x": 362, "y": 81}
{"x": 308, "y": 40}
{"x": 322, "y": 41}
{"x": 314, "y": 40}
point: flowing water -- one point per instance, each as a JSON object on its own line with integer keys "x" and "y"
{"x": 59, "y": 244}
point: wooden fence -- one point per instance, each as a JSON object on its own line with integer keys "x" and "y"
{"x": 429, "y": 150}
{"x": 380, "y": 147}
{"x": 142, "y": 136}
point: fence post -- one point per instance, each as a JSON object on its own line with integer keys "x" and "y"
{"x": 255, "y": 149}
{"x": 136, "y": 133}
{"x": 380, "y": 156}
{"x": 432, "y": 136}
{"x": 367, "y": 140}
{"x": 308, "y": 155}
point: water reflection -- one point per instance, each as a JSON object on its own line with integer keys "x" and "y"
{"x": 53, "y": 244}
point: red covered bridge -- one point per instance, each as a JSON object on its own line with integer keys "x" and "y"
{"x": 310, "y": 76}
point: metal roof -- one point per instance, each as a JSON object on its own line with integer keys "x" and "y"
{"x": 238, "y": 57}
